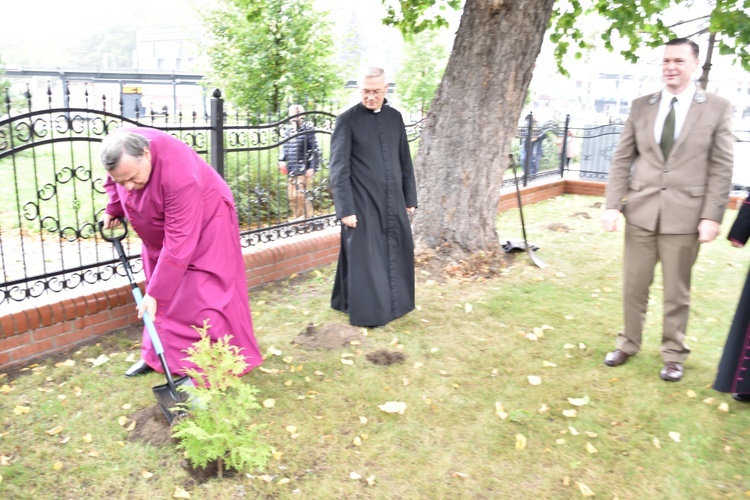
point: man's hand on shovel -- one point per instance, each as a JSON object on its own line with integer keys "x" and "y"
{"x": 148, "y": 304}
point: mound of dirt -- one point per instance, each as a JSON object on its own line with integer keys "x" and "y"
{"x": 385, "y": 358}
{"x": 329, "y": 336}
{"x": 152, "y": 427}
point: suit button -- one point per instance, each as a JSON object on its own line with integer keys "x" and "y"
{"x": 663, "y": 189}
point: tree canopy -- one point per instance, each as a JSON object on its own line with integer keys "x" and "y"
{"x": 267, "y": 52}
{"x": 422, "y": 68}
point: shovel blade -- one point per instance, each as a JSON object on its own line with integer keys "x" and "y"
{"x": 168, "y": 398}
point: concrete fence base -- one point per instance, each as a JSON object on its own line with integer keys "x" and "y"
{"x": 55, "y": 327}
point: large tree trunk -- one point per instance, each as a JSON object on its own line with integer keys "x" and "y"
{"x": 464, "y": 147}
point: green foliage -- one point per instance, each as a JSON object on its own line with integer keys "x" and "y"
{"x": 267, "y": 52}
{"x": 415, "y": 16}
{"x": 422, "y": 69}
{"x": 219, "y": 426}
{"x": 640, "y": 23}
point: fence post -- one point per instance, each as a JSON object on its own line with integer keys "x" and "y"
{"x": 564, "y": 150}
{"x": 527, "y": 149}
{"x": 217, "y": 132}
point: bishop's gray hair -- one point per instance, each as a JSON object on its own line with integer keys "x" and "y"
{"x": 119, "y": 142}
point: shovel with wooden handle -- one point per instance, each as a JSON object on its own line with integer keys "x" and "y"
{"x": 167, "y": 394}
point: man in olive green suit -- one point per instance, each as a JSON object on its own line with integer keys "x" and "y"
{"x": 679, "y": 144}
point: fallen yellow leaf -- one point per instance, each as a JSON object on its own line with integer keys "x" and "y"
{"x": 656, "y": 442}
{"x": 180, "y": 493}
{"x": 355, "y": 476}
{"x": 723, "y": 407}
{"x": 87, "y": 438}
{"x": 393, "y": 407}
{"x": 346, "y": 361}
{"x": 57, "y": 466}
{"x": 573, "y": 431}
{"x": 269, "y": 403}
{"x": 357, "y": 441}
{"x": 19, "y": 410}
{"x": 548, "y": 364}
{"x": 146, "y": 474}
{"x": 55, "y": 430}
{"x": 520, "y": 442}
{"x": 585, "y": 490}
{"x": 266, "y": 478}
{"x": 285, "y": 480}
{"x": 570, "y": 413}
{"x": 93, "y": 453}
{"x": 579, "y": 401}
{"x": 691, "y": 393}
{"x": 131, "y": 426}
{"x": 276, "y": 454}
{"x": 363, "y": 420}
{"x": 500, "y": 410}
{"x": 675, "y": 436}
{"x": 5, "y": 389}
{"x": 122, "y": 420}
{"x": 370, "y": 481}
{"x": 591, "y": 448}
{"x": 290, "y": 429}
{"x": 534, "y": 380}
{"x": 460, "y": 475}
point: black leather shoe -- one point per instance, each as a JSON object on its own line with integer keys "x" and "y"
{"x": 139, "y": 368}
{"x": 616, "y": 358}
{"x": 672, "y": 372}
{"x": 742, "y": 398}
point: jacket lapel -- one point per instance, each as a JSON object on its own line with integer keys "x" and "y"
{"x": 694, "y": 116}
{"x": 651, "y": 111}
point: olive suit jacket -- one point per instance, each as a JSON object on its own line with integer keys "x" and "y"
{"x": 671, "y": 195}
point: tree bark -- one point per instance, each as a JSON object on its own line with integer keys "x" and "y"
{"x": 703, "y": 80}
{"x": 464, "y": 146}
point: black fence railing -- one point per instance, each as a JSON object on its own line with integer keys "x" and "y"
{"x": 51, "y": 183}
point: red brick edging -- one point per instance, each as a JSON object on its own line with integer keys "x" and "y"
{"x": 54, "y": 327}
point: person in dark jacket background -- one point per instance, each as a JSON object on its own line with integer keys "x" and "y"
{"x": 734, "y": 368}
{"x": 299, "y": 160}
{"x": 374, "y": 191}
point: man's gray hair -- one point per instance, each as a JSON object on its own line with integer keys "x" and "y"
{"x": 119, "y": 142}
{"x": 372, "y": 72}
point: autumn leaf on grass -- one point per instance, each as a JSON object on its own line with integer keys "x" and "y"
{"x": 355, "y": 476}
{"x": 585, "y": 490}
{"x": 656, "y": 442}
{"x": 468, "y": 308}
{"x": 500, "y": 410}
{"x": 675, "y": 436}
{"x": 180, "y": 493}
{"x": 20, "y": 410}
{"x": 98, "y": 361}
{"x": 5, "y": 389}
{"x": 520, "y": 442}
{"x": 460, "y": 475}
{"x": 691, "y": 393}
{"x": 130, "y": 358}
{"x": 146, "y": 474}
{"x": 723, "y": 407}
{"x": 570, "y": 413}
{"x": 534, "y": 380}
{"x": 591, "y": 448}
{"x": 393, "y": 407}
{"x": 269, "y": 403}
{"x": 548, "y": 364}
{"x": 272, "y": 351}
{"x": 370, "y": 481}
{"x": 579, "y": 401}
{"x": 67, "y": 362}
{"x": 57, "y": 466}
{"x": 55, "y": 430}
{"x": 88, "y": 438}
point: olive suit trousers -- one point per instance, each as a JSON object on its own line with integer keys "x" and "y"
{"x": 677, "y": 254}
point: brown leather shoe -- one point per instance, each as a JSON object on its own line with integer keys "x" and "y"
{"x": 672, "y": 372}
{"x": 616, "y": 358}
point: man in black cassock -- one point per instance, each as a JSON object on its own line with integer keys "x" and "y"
{"x": 373, "y": 191}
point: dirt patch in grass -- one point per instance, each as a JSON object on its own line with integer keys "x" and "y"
{"x": 329, "y": 336}
{"x": 385, "y": 358}
{"x": 152, "y": 427}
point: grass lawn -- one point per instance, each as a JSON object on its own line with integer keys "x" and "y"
{"x": 472, "y": 346}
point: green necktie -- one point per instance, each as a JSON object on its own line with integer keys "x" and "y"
{"x": 667, "y": 133}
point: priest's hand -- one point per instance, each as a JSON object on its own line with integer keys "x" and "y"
{"x": 148, "y": 304}
{"x": 349, "y": 221}
{"x": 708, "y": 230}
{"x": 410, "y": 210}
{"x": 610, "y": 217}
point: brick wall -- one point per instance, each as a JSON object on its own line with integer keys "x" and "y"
{"x": 55, "y": 327}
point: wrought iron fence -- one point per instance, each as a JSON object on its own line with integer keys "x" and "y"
{"x": 52, "y": 194}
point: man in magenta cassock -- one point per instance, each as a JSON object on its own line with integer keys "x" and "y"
{"x": 184, "y": 213}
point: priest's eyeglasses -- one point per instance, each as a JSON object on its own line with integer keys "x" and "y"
{"x": 376, "y": 93}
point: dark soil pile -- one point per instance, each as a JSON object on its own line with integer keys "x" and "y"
{"x": 385, "y": 358}
{"x": 152, "y": 427}
{"x": 329, "y": 336}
